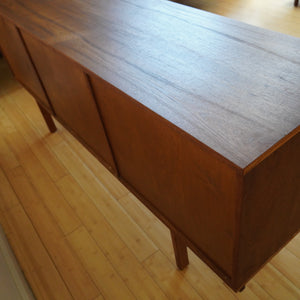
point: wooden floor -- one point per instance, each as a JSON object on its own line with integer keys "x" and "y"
{"x": 79, "y": 234}
{"x": 277, "y": 15}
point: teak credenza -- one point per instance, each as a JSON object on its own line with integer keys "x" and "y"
{"x": 198, "y": 115}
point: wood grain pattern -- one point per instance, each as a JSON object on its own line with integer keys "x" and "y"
{"x": 154, "y": 278}
{"x": 108, "y": 240}
{"x": 103, "y": 274}
{"x": 75, "y": 276}
{"x": 271, "y": 199}
{"x": 46, "y": 281}
{"x": 46, "y": 188}
{"x": 73, "y": 102}
{"x": 167, "y": 277}
{"x": 117, "y": 217}
{"x": 7, "y": 158}
{"x": 109, "y": 181}
{"x": 201, "y": 133}
{"x": 19, "y": 60}
{"x": 182, "y": 170}
{"x": 130, "y": 54}
{"x": 48, "y": 160}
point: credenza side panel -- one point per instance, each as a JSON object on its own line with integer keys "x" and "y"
{"x": 19, "y": 61}
{"x": 189, "y": 186}
{"x": 71, "y": 96}
{"x": 271, "y": 207}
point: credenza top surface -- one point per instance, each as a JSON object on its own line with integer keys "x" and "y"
{"x": 232, "y": 86}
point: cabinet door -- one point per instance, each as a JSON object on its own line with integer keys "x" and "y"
{"x": 16, "y": 54}
{"x": 68, "y": 88}
{"x": 189, "y": 187}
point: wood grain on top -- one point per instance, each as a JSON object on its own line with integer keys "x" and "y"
{"x": 232, "y": 86}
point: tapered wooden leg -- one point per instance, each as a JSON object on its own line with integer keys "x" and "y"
{"x": 296, "y": 2}
{"x": 242, "y": 288}
{"x": 180, "y": 250}
{"x": 48, "y": 119}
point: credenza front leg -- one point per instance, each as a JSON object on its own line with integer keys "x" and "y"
{"x": 48, "y": 119}
{"x": 180, "y": 250}
{"x": 296, "y": 2}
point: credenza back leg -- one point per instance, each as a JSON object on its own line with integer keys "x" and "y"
{"x": 296, "y": 2}
{"x": 242, "y": 288}
{"x": 48, "y": 119}
{"x": 180, "y": 250}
